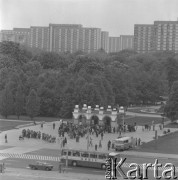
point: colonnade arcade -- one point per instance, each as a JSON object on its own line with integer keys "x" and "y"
{"x": 97, "y": 115}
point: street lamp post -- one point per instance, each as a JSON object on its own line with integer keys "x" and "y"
{"x": 122, "y": 112}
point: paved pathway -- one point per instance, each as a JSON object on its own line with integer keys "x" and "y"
{"x": 24, "y": 174}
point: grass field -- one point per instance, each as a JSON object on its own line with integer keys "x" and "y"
{"x": 138, "y": 110}
{"x": 172, "y": 125}
{"x": 7, "y": 125}
{"x": 167, "y": 144}
{"x": 26, "y": 118}
{"x": 143, "y": 120}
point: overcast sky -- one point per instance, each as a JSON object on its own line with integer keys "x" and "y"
{"x": 116, "y": 16}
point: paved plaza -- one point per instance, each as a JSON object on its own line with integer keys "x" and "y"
{"x": 28, "y": 145}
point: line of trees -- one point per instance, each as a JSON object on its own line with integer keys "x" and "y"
{"x": 35, "y": 83}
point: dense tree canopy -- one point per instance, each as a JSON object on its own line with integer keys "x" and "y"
{"x": 171, "y": 108}
{"x": 62, "y": 80}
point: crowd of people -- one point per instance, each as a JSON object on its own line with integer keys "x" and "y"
{"x": 76, "y": 131}
{"x": 37, "y": 135}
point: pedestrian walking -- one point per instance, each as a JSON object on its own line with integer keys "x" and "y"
{"x": 153, "y": 127}
{"x": 3, "y": 167}
{"x": 54, "y": 125}
{"x": 102, "y": 136}
{"x": 135, "y": 124}
{"x": 120, "y": 133}
{"x": 109, "y": 144}
{"x": 139, "y": 142}
{"x": 100, "y": 145}
{"x": 5, "y": 138}
{"x": 136, "y": 142}
{"x": 114, "y": 130}
{"x": 149, "y": 128}
{"x": 153, "y": 124}
{"x": 96, "y": 147}
{"x": 91, "y": 143}
{"x": 65, "y": 140}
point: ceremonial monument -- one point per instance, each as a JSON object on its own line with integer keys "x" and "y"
{"x": 97, "y": 115}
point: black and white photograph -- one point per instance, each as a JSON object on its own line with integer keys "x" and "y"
{"x": 88, "y": 89}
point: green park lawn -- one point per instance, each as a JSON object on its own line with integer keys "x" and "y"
{"x": 26, "y": 118}
{"x": 143, "y": 120}
{"x": 7, "y": 125}
{"x": 167, "y": 144}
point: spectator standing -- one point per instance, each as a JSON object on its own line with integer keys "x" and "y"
{"x": 102, "y": 136}
{"x": 114, "y": 130}
{"x": 3, "y": 167}
{"x": 96, "y": 147}
{"x": 153, "y": 124}
{"x": 5, "y": 138}
{"x": 65, "y": 140}
{"x": 100, "y": 145}
{"x": 109, "y": 144}
{"x": 54, "y": 125}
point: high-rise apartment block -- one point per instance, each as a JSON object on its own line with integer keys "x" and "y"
{"x": 166, "y": 36}
{"x": 143, "y": 38}
{"x": 91, "y": 39}
{"x": 7, "y": 35}
{"x": 39, "y": 37}
{"x": 105, "y": 41}
{"x": 126, "y": 42}
{"x": 67, "y": 38}
{"x": 160, "y": 36}
{"x": 18, "y": 35}
{"x": 114, "y": 44}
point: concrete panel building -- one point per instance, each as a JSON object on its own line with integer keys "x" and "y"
{"x": 143, "y": 38}
{"x": 126, "y": 42}
{"x": 166, "y": 36}
{"x": 65, "y": 37}
{"x": 7, "y": 35}
{"x": 18, "y": 35}
{"x": 160, "y": 36}
{"x": 114, "y": 44}
{"x": 39, "y": 37}
{"x": 22, "y": 35}
{"x": 90, "y": 40}
{"x": 105, "y": 41}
